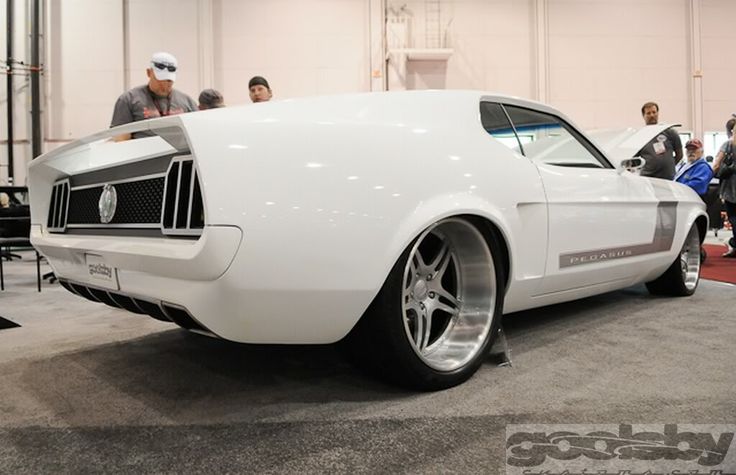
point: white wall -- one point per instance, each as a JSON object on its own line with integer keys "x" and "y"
{"x": 719, "y": 67}
{"x": 84, "y": 67}
{"x": 598, "y": 60}
{"x": 608, "y": 58}
{"x": 603, "y": 58}
{"x": 491, "y": 42}
{"x": 303, "y": 47}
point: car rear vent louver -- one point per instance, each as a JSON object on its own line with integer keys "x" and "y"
{"x": 181, "y": 317}
{"x": 58, "y": 208}
{"x": 183, "y": 210}
{"x": 164, "y": 311}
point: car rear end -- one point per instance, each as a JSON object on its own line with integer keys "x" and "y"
{"x": 125, "y": 223}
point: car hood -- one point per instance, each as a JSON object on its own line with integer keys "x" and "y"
{"x": 620, "y": 144}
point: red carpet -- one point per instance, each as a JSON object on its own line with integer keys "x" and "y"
{"x": 716, "y": 267}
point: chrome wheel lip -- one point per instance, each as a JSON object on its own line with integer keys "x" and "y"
{"x": 690, "y": 260}
{"x": 467, "y": 311}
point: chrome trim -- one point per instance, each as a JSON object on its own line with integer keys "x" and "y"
{"x": 120, "y": 225}
{"x": 182, "y": 232}
{"x": 176, "y": 195}
{"x": 126, "y": 180}
{"x": 191, "y": 196}
{"x": 166, "y": 190}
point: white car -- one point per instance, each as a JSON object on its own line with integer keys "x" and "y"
{"x": 405, "y": 223}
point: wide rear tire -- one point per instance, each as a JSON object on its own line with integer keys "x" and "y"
{"x": 435, "y": 318}
{"x": 682, "y": 277}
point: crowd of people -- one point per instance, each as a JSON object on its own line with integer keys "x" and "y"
{"x": 158, "y": 98}
{"x": 664, "y": 159}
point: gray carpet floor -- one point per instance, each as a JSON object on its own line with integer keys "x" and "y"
{"x": 86, "y": 388}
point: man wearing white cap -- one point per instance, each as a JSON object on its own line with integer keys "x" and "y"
{"x": 155, "y": 99}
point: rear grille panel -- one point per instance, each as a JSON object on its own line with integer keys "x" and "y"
{"x": 166, "y": 203}
{"x": 139, "y": 202}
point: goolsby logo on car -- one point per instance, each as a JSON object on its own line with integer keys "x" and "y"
{"x": 100, "y": 270}
{"x": 620, "y": 449}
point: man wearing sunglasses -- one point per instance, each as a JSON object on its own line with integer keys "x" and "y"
{"x": 155, "y": 99}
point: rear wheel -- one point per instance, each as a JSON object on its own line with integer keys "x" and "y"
{"x": 682, "y": 277}
{"x": 434, "y": 319}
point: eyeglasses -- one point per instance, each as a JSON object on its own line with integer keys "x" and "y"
{"x": 162, "y": 66}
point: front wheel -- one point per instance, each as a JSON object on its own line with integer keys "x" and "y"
{"x": 682, "y": 277}
{"x": 435, "y": 318}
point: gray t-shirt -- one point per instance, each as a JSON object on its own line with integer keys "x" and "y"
{"x": 660, "y": 155}
{"x": 141, "y": 103}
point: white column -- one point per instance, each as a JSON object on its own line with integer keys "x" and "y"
{"x": 126, "y": 45}
{"x": 377, "y": 41}
{"x": 541, "y": 50}
{"x": 696, "y": 68}
{"x": 205, "y": 33}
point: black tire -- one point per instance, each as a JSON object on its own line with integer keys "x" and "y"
{"x": 391, "y": 339}
{"x": 682, "y": 277}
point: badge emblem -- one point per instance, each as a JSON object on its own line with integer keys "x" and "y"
{"x": 107, "y": 204}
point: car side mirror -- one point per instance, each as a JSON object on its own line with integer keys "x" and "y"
{"x": 633, "y": 165}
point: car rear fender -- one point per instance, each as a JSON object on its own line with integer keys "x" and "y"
{"x": 463, "y": 205}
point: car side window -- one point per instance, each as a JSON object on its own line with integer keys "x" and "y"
{"x": 554, "y": 142}
{"x": 496, "y": 123}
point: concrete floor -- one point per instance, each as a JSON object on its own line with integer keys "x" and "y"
{"x": 87, "y": 388}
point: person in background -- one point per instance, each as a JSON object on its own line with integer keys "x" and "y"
{"x": 259, "y": 89}
{"x": 730, "y": 124}
{"x": 155, "y": 99}
{"x": 725, "y": 170}
{"x": 210, "y": 99}
{"x": 4, "y": 200}
{"x": 664, "y": 151}
{"x": 694, "y": 172}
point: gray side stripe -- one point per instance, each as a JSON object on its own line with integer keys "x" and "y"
{"x": 664, "y": 235}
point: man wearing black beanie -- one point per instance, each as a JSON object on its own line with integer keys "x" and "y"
{"x": 259, "y": 89}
